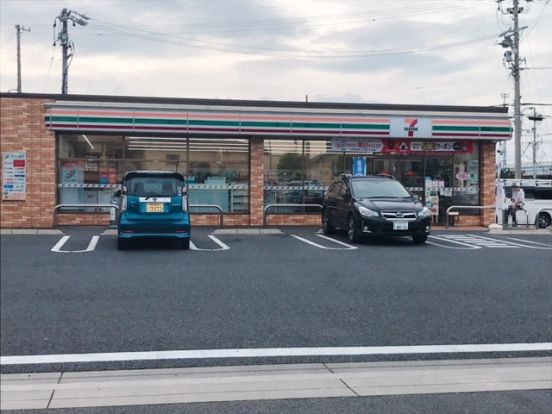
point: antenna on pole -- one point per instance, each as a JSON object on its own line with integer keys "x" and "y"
{"x": 66, "y": 45}
{"x": 19, "y": 29}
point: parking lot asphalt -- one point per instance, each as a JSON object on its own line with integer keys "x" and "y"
{"x": 295, "y": 289}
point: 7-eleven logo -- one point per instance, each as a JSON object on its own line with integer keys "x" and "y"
{"x": 411, "y": 128}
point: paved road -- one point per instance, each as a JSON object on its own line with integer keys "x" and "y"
{"x": 271, "y": 291}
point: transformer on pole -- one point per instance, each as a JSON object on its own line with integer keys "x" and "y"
{"x": 66, "y": 44}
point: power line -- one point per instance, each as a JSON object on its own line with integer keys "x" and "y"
{"x": 296, "y": 53}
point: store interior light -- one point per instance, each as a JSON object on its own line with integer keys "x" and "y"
{"x": 87, "y": 141}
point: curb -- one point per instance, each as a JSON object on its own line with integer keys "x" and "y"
{"x": 43, "y": 232}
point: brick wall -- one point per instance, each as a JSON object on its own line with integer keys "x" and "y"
{"x": 487, "y": 182}
{"x": 22, "y": 129}
{"x": 256, "y": 182}
{"x": 294, "y": 220}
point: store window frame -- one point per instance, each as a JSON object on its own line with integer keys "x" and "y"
{"x": 121, "y": 135}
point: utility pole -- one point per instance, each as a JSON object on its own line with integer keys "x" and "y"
{"x": 66, "y": 45}
{"x": 512, "y": 60}
{"x": 19, "y": 29}
{"x": 517, "y": 94}
{"x": 535, "y": 118}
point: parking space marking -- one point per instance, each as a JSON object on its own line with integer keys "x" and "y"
{"x": 468, "y": 246}
{"x": 63, "y": 240}
{"x": 222, "y": 245}
{"x": 347, "y": 246}
{"x": 474, "y": 240}
{"x": 273, "y": 352}
{"x": 511, "y": 244}
{"x": 529, "y": 241}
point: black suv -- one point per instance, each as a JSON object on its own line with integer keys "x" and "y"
{"x": 374, "y": 205}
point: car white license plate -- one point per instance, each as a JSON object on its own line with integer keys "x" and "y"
{"x": 400, "y": 225}
{"x": 154, "y": 207}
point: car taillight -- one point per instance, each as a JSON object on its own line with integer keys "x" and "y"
{"x": 123, "y": 203}
{"x": 184, "y": 202}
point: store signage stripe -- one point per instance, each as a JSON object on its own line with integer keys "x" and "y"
{"x": 462, "y": 135}
{"x": 469, "y": 122}
{"x": 214, "y": 116}
{"x": 196, "y": 122}
{"x": 455, "y": 128}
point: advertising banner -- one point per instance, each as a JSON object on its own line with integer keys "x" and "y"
{"x": 359, "y": 166}
{"x": 399, "y": 147}
{"x": 14, "y": 175}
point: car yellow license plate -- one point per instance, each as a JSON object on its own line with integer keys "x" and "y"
{"x": 154, "y": 207}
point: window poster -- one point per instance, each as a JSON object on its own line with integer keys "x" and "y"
{"x": 14, "y": 175}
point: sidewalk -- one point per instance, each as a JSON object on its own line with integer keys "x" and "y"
{"x": 270, "y": 382}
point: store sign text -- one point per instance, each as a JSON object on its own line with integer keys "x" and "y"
{"x": 402, "y": 147}
{"x": 14, "y": 175}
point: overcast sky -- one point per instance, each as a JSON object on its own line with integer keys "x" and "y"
{"x": 387, "y": 51}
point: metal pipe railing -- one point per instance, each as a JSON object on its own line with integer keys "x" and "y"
{"x": 219, "y": 208}
{"x": 463, "y": 208}
{"x": 116, "y": 207}
{"x": 269, "y": 206}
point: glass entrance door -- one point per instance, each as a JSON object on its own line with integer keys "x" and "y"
{"x": 410, "y": 172}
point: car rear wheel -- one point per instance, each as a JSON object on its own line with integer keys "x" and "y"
{"x": 327, "y": 228}
{"x": 122, "y": 244}
{"x": 184, "y": 244}
{"x": 419, "y": 238}
{"x": 352, "y": 232}
{"x": 543, "y": 220}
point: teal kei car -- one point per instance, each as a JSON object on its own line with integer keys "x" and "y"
{"x": 153, "y": 204}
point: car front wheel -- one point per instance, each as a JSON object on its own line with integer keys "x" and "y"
{"x": 543, "y": 220}
{"x": 419, "y": 238}
{"x": 352, "y": 232}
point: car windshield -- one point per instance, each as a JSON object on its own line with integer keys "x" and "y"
{"x": 149, "y": 186}
{"x": 379, "y": 189}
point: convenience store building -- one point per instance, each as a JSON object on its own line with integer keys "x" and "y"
{"x": 239, "y": 155}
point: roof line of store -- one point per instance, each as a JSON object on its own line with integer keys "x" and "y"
{"x": 263, "y": 103}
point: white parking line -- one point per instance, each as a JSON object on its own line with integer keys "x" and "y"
{"x": 511, "y": 244}
{"x": 529, "y": 241}
{"x": 348, "y": 246}
{"x": 63, "y": 240}
{"x": 216, "y": 240}
{"x": 273, "y": 352}
{"x": 468, "y": 246}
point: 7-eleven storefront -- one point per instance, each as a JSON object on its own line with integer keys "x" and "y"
{"x": 241, "y": 156}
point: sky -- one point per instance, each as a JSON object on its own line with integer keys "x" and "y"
{"x": 437, "y": 52}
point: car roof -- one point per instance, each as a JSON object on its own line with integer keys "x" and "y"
{"x": 140, "y": 173}
{"x": 368, "y": 177}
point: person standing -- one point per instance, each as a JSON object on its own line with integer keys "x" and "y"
{"x": 516, "y": 203}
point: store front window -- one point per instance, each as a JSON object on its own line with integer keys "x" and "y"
{"x": 438, "y": 174}
{"x": 90, "y": 168}
{"x": 299, "y": 172}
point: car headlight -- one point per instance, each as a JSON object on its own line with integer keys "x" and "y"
{"x": 366, "y": 212}
{"x": 424, "y": 212}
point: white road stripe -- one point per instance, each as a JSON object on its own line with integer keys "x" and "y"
{"x": 468, "y": 246}
{"x": 324, "y": 247}
{"x": 348, "y": 246}
{"x": 216, "y": 240}
{"x": 59, "y": 245}
{"x": 516, "y": 244}
{"x": 63, "y": 240}
{"x": 529, "y": 241}
{"x": 273, "y": 352}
